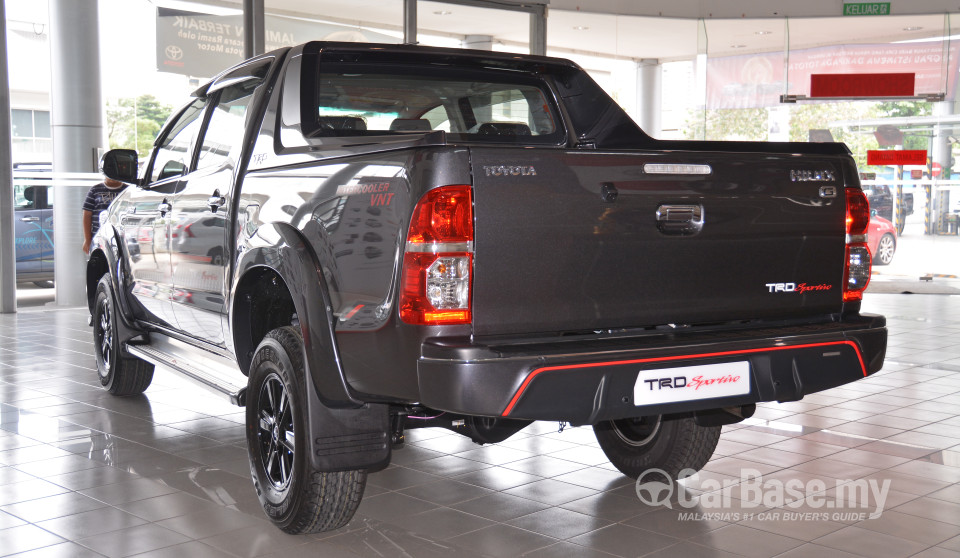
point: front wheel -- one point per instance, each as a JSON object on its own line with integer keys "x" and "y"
{"x": 885, "y": 249}
{"x": 668, "y": 443}
{"x": 121, "y": 375}
{"x": 297, "y": 497}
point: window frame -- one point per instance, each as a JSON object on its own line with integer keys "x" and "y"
{"x": 148, "y": 180}
{"x": 241, "y": 75}
{"x": 310, "y": 93}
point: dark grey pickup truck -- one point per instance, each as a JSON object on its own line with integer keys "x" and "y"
{"x": 353, "y": 240}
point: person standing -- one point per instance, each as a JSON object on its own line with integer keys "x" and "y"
{"x": 98, "y": 198}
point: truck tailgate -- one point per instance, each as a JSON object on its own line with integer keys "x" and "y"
{"x": 571, "y": 240}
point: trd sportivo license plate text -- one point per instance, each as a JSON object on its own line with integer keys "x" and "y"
{"x": 686, "y": 383}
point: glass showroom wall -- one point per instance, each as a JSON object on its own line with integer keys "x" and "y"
{"x": 750, "y": 80}
{"x": 883, "y": 86}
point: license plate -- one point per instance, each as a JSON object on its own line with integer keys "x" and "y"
{"x": 688, "y": 383}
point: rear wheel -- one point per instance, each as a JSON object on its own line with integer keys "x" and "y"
{"x": 669, "y": 443}
{"x": 297, "y": 497}
{"x": 885, "y": 249}
{"x": 120, "y": 374}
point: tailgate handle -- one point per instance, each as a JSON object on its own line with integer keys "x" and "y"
{"x": 680, "y": 219}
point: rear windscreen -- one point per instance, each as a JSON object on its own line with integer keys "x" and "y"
{"x": 481, "y": 106}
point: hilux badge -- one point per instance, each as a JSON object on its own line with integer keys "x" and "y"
{"x": 805, "y": 175}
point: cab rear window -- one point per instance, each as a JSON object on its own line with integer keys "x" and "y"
{"x": 473, "y": 106}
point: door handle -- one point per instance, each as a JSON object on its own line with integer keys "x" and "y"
{"x": 216, "y": 201}
{"x": 680, "y": 219}
{"x": 164, "y": 207}
{"x": 29, "y": 219}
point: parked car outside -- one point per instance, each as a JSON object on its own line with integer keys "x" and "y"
{"x": 881, "y": 238}
{"x": 881, "y": 198}
{"x": 33, "y": 223}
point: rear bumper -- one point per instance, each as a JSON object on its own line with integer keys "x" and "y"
{"x": 584, "y": 382}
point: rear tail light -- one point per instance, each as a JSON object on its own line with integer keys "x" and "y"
{"x": 858, "y": 212}
{"x": 438, "y": 262}
{"x": 856, "y": 273}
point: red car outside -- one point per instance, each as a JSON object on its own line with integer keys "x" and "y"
{"x": 882, "y": 239}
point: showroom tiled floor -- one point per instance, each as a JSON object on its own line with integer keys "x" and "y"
{"x": 86, "y": 474}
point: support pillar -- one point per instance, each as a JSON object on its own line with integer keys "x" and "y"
{"x": 78, "y": 133}
{"x": 8, "y": 260}
{"x": 478, "y": 42}
{"x": 940, "y": 154}
{"x": 254, "y": 33}
{"x": 410, "y": 22}
{"x": 538, "y": 30}
{"x": 649, "y": 99}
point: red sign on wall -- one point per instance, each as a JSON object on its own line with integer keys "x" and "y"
{"x": 758, "y": 80}
{"x": 862, "y": 85}
{"x": 896, "y": 157}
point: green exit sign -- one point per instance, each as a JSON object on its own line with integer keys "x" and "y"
{"x": 866, "y": 8}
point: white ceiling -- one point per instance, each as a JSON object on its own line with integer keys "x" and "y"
{"x": 577, "y": 30}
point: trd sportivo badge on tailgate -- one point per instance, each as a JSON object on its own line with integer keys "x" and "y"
{"x": 799, "y": 288}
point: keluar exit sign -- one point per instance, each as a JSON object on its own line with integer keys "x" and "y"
{"x": 866, "y": 8}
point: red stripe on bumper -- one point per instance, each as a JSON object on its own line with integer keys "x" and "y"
{"x": 532, "y": 375}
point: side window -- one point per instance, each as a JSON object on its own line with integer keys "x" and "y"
{"x": 438, "y": 118}
{"x": 224, "y": 135}
{"x": 172, "y": 157}
{"x": 24, "y": 197}
{"x": 512, "y": 111}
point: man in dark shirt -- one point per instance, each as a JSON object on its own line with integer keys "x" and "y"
{"x": 98, "y": 199}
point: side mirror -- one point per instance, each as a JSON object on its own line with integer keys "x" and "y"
{"x": 120, "y": 164}
{"x": 873, "y": 212}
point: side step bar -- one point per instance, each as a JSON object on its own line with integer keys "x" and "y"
{"x": 220, "y": 375}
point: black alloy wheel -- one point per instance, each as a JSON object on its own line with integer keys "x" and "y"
{"x": 277, "y": 439}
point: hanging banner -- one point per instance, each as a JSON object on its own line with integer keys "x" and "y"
{"x": 862, "y": 85}
{"x": 203, "y": 45}
{"x": 757, "y": 80}
{"x": 896, "y": 157}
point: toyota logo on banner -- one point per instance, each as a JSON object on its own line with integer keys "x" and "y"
{"x": 174, "y": 52}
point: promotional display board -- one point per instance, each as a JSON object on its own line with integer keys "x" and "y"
{"x": 757, "y": 80}
{"x": 203, "y": 45}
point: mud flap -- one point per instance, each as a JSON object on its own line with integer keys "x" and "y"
{"x": 345, "y": 439}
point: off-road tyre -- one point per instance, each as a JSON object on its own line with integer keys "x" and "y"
{"x": 297, "y": 497}
{"x": 668, "y": 443}
{"x": 119, "y": 373}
